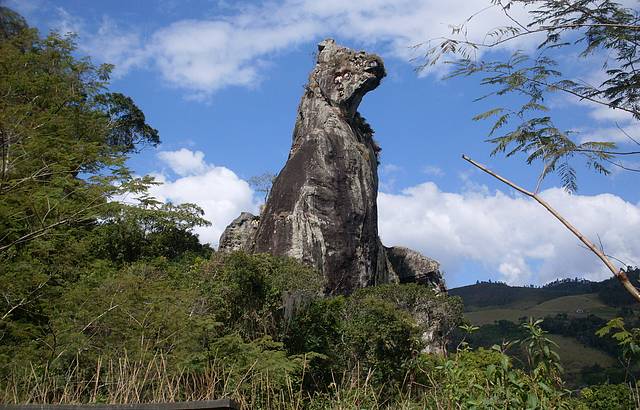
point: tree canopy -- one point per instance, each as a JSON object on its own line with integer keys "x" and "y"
{"x": 64, "y": 137}
{"x": 64, "y": 142}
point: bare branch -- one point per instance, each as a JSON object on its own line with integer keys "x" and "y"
{"x": 98, "y": 317}
{"x": 627, "y": 134}
{"x": 619, "y": 165}
{"x": 44, "y": 230}
{"x": 542, "y": 29}
{"x": 24, "y": 301}
{"x": 620, "y": 274}
{"x": 594, "y": 151}
{"x": 583, "y": 97}
{"x": 627, "y": 263}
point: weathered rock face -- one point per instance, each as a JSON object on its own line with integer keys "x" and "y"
{"x": 239, "y": 235}
{"x": 411, "y": 266}
{"x": 322, "y": 206}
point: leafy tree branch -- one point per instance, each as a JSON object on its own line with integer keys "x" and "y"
{"x": 592, "y": 25}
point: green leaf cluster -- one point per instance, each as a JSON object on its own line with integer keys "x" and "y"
{"x": 525, "y": 82}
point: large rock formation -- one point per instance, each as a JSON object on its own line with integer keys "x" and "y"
{"x": 322, "y": 207}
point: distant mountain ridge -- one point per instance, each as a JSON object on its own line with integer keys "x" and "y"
{"x": 572, "y": 311}
{"x": 485, "y": 294}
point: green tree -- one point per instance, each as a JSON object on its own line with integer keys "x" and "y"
{"x": 64, "y": 141}
{"x": 64, "y": 138}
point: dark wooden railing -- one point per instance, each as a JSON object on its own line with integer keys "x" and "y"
{"x": 185, "y": 405}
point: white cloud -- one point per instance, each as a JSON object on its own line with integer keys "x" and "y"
{"x": 67, "y": 23}
{"x": 390, "y": 168}
{"x": 205, "y": 55}
{"x": 433, "y": 170}
{"x": 388, "y": 176}
{"x": 217, "y": 190}
{"x": 510, "y": 235}
{"x": 610, "y": 124}
{"x": 184, "y": 162}
{"x": 111, "y": 43}
{"x": 601, "y": 112}
{"x": 117, "y": 45}
{"x": 618, "y": 133}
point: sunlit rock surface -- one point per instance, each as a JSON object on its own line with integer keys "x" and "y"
{"x": 322, "y": 207}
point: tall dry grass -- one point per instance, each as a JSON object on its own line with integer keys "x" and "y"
{"x": 127, "y": 381}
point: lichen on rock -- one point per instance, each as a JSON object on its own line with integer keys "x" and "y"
{"x": 322, "y": 207}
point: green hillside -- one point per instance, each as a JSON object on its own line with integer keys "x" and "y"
{"x": 487, "y": 294}
{"x": 575, "y": 357}
{"x": 574, "y": 306}
{"x": 572, "y": 310}
{"x": 500, "y": 295}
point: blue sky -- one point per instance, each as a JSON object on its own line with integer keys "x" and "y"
{"x": 221, "y": 81}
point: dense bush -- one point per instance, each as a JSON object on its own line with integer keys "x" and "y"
{"x": 607, "y": 397}
{"x": 254, "y": 294}
{"x": 380, "y": 340}
{"x": 437, "y": 316}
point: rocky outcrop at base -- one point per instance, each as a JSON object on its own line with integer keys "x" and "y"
{"x": 240, "y": 233}
{"x": 413, "y": 267}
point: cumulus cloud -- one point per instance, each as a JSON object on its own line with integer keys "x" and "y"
{"x": 235, "y": 49}
{"x": 510, "y": 235}
{"x": 206, "y": 55}
{"x": 216, "y": 189}
{"x": 184, "y": 162}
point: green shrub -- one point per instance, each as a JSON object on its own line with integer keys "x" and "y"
{"x": 379, "y": 338}
{"x": 186, "y": 312}
{"x": 364, "y": 335}
{"x": 254, "y": 294}
{"x": 607, "y": 397}
{"x": 437, "y": 315}
{"x": 318, "y": 328}
{"x": 487, "y": 379}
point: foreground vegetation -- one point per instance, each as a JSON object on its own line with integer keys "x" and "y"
{"x": 110, "y": 302}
